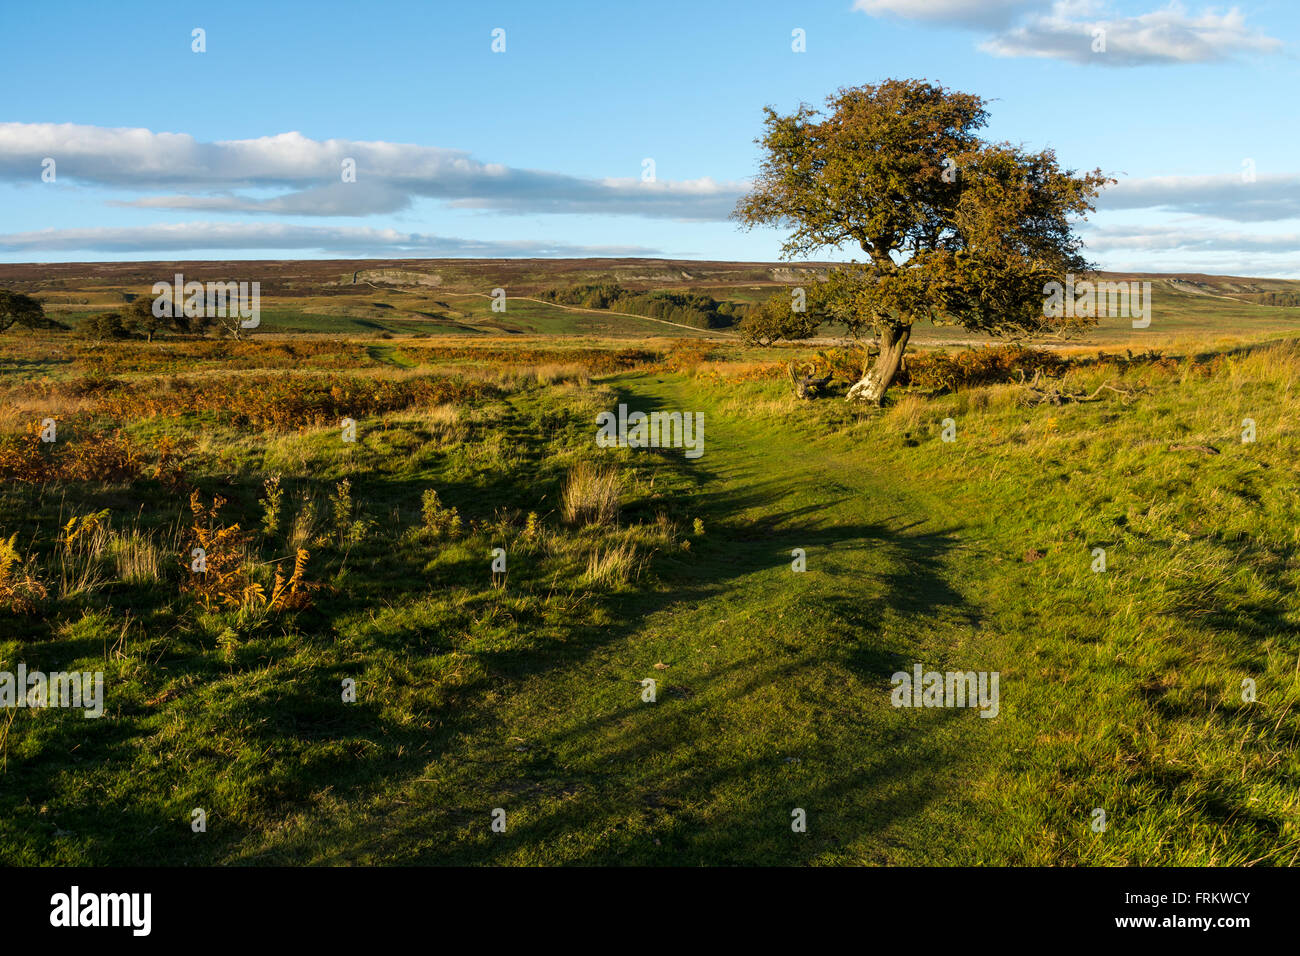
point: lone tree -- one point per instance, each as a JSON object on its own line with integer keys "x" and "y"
{"x": 19, "y": 309}
{"x": 955, "y": 229}
{"x": 777, "y": 317}
{"x": 138, "y": 316}
{"x": 103, "y": 325}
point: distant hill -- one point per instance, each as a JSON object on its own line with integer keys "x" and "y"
{"x": 451, "y": 296}
{"x": 293, "y": 277}
{"x": 296, "y": 277}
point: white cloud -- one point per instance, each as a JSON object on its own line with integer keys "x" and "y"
{"x": 1165, "y": 36}
{"x": 1184, "y": 248}
{"x": 1184, "y": 239}
{"x": 308, "y": 174}
{"x": 1268, "y": 198}
{"x": 349, "y": 241}
{"x": 1073, "y": 30}
{"x": 336, "y": 199}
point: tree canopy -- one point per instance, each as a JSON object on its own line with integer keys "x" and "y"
{"x": 103, "y": 325}
{"x": 778, "y": 318}
{"x": 19, "y": 309}
{"x": 138, "y": 316}
{"x": 954, "y": 228}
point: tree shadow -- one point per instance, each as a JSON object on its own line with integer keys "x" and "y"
{"x": 717, "y": 812}
{"x": 858, "y": 803}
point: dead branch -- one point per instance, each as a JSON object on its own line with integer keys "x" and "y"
{"x": 1056, "y": 395}
{"x": 805, "y": 385}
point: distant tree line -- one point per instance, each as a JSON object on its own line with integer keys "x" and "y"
{"x": 134, "y": 320}
{"x": 685, "y": 308}
{"x": 1288, "y": 300}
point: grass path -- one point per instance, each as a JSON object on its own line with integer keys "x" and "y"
{"x": 773, "y": 692}
{"x": 1122, "y": 691}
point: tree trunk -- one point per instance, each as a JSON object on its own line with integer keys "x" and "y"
{"x": 872, "y": 386}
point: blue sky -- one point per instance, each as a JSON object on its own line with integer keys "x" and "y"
{"x": 164, "y": 153}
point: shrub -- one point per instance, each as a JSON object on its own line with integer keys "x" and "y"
{"x": 224, "y": 577}
{"x": 19, "y": 589}
{"x": 774, "y": 320}
{"x": 92, "y": 457}
{"x": 991, "y": 365}
{"x": 683, "y": 308}
{"x": 590, "y": 495}
{"x": 227, "y": 580}
{"x": 439, "y": 521}
{"x": 349, "y": 528}
{"x": 274, "y": 495}
{"x": 286, "y": 401}
{"x": 103, "y": 457}
{"x": 103, "y": 325}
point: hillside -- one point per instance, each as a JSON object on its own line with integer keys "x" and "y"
{"x": 450, "y": 296}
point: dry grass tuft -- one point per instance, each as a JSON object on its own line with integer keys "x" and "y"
{"x": 590, "y": 495}
{"x": 612, "y": 566}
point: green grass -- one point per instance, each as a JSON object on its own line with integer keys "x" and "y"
{"x": 449, "y": 297}
{"x": 1119, "y": 690}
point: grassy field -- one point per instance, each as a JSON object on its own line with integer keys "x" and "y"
{"x": 440, "y": 297}
{"x": 1121, "y": 690}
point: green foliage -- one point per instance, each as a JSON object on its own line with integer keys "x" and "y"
{"x": 103, "y": 325}
{"x": 349, "y": 527}
{"x": 775, "y": 320}
{"x": 138, "y": 316}
{"x": 19, "y": 309}
{"x": 938, "y": 369}
{"x": 439, "y": 520}
{"x": 685, "y": 308}
{"x": 271, "y": 505}
{"x": 955, "y": 229}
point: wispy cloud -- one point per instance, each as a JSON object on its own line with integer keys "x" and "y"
{"x": 1184, "y": 239}
{"x": 308, "y": 175}
{"x": 1268, "y": 198}
{"x": 968, "y": 13}
{"x": 348, "y": 241}
{"x": 1088, "y": 32}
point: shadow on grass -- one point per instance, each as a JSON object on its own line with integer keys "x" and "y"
{"x": 694, "y": 801}
{"x": 643, "y": 784}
